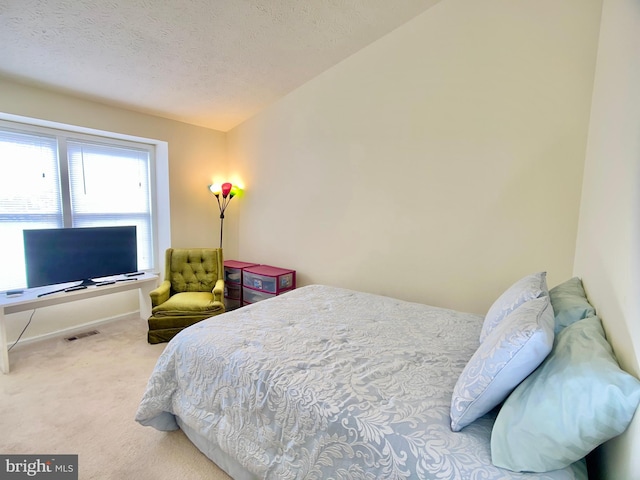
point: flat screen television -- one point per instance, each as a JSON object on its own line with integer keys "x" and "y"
{"x": 62, "y": 255}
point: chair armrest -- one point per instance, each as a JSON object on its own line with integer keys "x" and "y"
{"x": 160, "y": 294}
{"x": 218, "y": 290}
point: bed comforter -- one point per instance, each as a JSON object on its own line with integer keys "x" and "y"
{"x": 328, "y": 383}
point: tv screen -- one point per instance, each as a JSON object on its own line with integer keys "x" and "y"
{"x": 62, "y": 255}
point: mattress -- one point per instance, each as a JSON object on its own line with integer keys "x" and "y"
{"x": 327, "y": 383}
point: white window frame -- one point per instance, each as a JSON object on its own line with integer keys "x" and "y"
{"x": 159, "y": 171}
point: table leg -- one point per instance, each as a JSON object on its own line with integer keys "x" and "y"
{"x": 145, "y": 300}
{"x": 4, "y": 352}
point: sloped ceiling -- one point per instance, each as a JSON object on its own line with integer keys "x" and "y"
{"x": 212, "y": 63}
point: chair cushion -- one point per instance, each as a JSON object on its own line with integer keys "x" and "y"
{"x": 189, "y": 303}
{"x": 193, "y": 270}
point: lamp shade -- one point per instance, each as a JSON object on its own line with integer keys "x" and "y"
{"x": 228, "y": 191}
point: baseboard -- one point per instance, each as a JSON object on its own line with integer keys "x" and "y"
{"x": 66, "y": 332}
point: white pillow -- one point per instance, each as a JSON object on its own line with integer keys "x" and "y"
{"x": 509, "y": 354}
{"x": 527, "y": 288}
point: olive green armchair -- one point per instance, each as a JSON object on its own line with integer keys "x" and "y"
{"x": 192, "y": 291}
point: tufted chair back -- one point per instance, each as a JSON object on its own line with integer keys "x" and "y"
{"x": 193, "y": 269}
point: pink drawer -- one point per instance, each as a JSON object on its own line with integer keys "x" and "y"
{"x": 269, "y": 279}
{"x": 233, "y": 291}
{"x": 250, "y": 295}
{"x": 231, "y": 304}
{"x": 233, "y": 270}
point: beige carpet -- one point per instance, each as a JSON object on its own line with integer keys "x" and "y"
{"x": 81, "y": 397}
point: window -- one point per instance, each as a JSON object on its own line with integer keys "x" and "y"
{"x": 53, "y": 178}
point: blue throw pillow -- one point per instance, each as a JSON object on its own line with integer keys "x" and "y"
{"x": 527, "y": 288}
{"x": 576, "y": 400}
{"x": 512, "y": 351}
{"x": 570, "y": 304}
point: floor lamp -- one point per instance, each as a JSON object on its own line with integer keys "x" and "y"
{"x": 227, "y": 192}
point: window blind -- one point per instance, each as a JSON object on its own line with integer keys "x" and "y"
{"x": 29, "y": 196}
{"x": 110, "y": 185}
{"x": 61, "y": 179}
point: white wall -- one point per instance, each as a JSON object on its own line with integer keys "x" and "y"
{"x": 608, "y": 244}
{"x": 438, "y": 164}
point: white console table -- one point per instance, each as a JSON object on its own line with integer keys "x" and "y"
{"x": 29, "y": 300}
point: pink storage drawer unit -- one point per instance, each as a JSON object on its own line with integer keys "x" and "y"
{"x": 233, "y": 291}
{"x": 269, "y": 279}
{"x": 233, "y": 271}
{"x": 252, "y": 296}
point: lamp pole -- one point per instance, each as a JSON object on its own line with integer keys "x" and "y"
{"x": 225, "y": 191}
{"x": 221, "y": 226}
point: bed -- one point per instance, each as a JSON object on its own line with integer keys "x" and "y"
{"x": 325, "y": 382}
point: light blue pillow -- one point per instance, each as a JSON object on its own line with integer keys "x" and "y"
{"x": 576, "y": 400}
{"x": 527, "y": 288}
{"x": 511, "y": 352}
{"x": 570, "y": 303}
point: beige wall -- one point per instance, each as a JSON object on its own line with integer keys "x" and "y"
{"x": 196, "y": 156}
{"x": 607, "y": 251}
{"x": 438, "y": 164}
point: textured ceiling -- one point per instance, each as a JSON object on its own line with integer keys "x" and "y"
{"x": 212, "y": 63}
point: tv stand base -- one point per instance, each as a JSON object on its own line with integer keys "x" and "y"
{"x": 36, "y": 298}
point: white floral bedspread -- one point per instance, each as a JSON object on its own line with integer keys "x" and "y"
{"x": 327, "y": 383}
